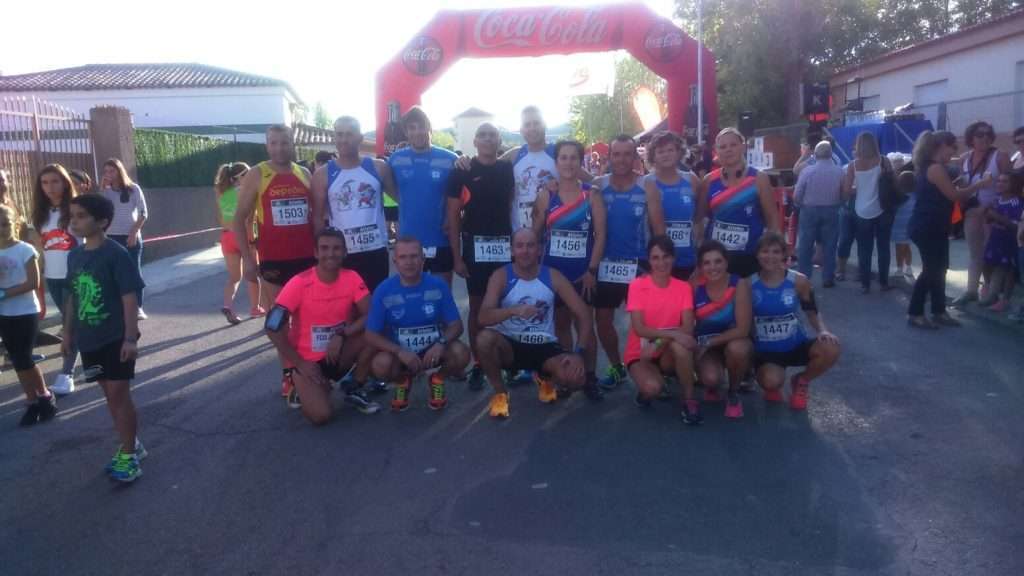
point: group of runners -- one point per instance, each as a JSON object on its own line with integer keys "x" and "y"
{"x": 548, "y": 253}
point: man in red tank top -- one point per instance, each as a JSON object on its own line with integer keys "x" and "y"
{"x": 275, "y": 194}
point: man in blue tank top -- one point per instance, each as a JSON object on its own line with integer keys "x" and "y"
{"x": 633, "y": 214}
{"x": 421, "y": 174}
{"x": 415, "y": 326}
{"x": 518, "y": 316}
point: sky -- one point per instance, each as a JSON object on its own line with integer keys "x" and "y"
{"x": 330, "y": 55}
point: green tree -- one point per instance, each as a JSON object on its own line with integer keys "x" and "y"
{"x": 321, "y": 119}
{"x": 598, "y": 117}
{"x": 766, "y": 48}
{"x": 443, "y": 139}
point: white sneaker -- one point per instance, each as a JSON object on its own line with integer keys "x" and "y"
{"x": 63, "y": 385}
{"x": 142, "y": 314}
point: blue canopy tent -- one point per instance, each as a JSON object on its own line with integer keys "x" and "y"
{"x": 895, "y": 136}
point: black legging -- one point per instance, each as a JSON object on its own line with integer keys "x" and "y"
{"x": 933, "y": 244}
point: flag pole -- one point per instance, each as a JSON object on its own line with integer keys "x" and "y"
{"x": 700, "y": 72}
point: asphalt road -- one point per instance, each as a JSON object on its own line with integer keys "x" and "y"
{"x": 909, "y": 461}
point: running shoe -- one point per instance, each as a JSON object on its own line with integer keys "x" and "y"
{"x": 712, "y": 395}
{"x": 257, "y": 312}
{"x": 293, "y": 398}
{"x": 592, "y": 392}
{"x": 734, "y": 406}
{"x": 376, "y": 387}
{"x": 1000, "y": 306}
{"x": 230, "y": 316}
{"x": 499, "y": 405}
{"x": 63, "y": 385}
{"x": 37, "y": 358}
{"x": 126, "y": 468}
{"x": 31, "y": 415}
{"x": 357, "y": 399}
{"x": 47, "y": 407}
{"x": 521, "y": 378}
{"x": 476, "y": 378}
{"x": 546, "y": 393}
{"x": 691, "y": 413}
{"x": 438, "y": 398}
{"x": 641, "y": 402}
{"x": 140, "y": 454}
{"x": 287, "y": 384}
{"x": 142, "y": 314}
{"x": 800, "y": 392}
{"x": 773, "y": 396}
{"x": 615, "y": 375}
{"x": 400, "y": 399}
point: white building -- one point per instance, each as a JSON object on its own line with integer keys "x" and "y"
{"x": 465, "y": 128}
{"x": 192, "y": 98}
{"x": 976, "y": 73}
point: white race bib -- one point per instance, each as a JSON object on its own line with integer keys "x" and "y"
{"x": 681, "y": 233}
{"x": 363, "y": 239}
{"x": 289, "y": 212}
{"x": 617, "y": 271}
{"x": 732, "y": 236}
{"x": 776, "y": 328}
{"x": 492, "y": 249}
{"x": 568, "y": 244}
{"x": 430, "y": 252}
{"x": 418, "y": 338}
{"x": 319, "y": 336}
{"x": 533, "y": 338}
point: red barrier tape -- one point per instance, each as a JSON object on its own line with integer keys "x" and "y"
{"x": 182, "y": 235}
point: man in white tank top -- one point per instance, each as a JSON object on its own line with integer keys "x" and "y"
{"x": 348, "y": 195}
{"x": 518, "y": 316}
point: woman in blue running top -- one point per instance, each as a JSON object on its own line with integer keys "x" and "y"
{"x": 572, "y": 222}
{"x": 738, "y": 202}
{"x": 721, "y": 303}
{"x": 780, "y": 339}
{"x": 677, "y": 192}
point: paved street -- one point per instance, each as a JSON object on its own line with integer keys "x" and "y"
{"x": 909, "y": 461}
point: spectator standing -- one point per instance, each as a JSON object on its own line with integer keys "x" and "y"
{"x": 900, "y": 236}
{"x": 982, "y": 164}
{"x": 818, "y": 196}
{"x": 129, "y": 214}
{"x": 1001, "y": 249}
{"x": 930, "y": 224}
{"x": 225, "y": 188}
{"x": 868, "y": 177}
{"x": 19, "y": 223}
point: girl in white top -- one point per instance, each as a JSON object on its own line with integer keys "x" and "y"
{"x": 19, "y": 317}
{"x": 874, "y": 224}
{"x": 51, "y": 215}
{"x": 129, "y": 213}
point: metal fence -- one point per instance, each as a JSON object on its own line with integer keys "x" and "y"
{"x": 34, "y": 133}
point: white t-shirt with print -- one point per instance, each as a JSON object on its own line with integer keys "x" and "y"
{"x": 12, "y": 273}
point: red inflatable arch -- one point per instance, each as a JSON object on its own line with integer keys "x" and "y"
{"x": 538, "y": 31}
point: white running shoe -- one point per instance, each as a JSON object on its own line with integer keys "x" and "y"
{"x": 63, "y": 385}
{"x": 142, "y": 314}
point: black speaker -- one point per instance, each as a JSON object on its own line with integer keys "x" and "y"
{"x": 746, "y": 124}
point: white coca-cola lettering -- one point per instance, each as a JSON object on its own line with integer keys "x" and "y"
{"x": 497, "y": 28}
{"x": 425, "y": 54}
{"x": 663, "y": 42}
{"x": 667, "y": 40}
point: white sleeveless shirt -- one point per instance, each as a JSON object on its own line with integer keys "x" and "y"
{"x": 537, "y": 292}
{"x": 356, "y": 205}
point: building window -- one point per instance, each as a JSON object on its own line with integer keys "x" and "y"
{"x": 872, "y": 103}
{"x": 927, "y": 98}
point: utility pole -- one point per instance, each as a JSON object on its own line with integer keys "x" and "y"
{"x": 700, "y": 71}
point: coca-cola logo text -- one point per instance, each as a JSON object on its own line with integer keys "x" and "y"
{"x": 664, "y": 42}
{"x": 556, "y": 26}
{"x": 422, "y": 56}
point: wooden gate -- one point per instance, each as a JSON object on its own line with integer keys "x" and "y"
{"x": 34, "y": 133}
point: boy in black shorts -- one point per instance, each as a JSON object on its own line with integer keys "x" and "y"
{"x": 103, "y": 321}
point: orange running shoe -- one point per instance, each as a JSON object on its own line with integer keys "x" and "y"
{"x": 400, "y": 400}
{"x": 773, "y": 396}
{"x": 438, "y": 398}
{"x": 546, "y": 393}
{"x": 800, "y": 392}
{"x": 499, "y": 405}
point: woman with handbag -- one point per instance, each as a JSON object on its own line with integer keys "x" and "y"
{"x": 870, "y": 178}
{"x": 982, "y": 165}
